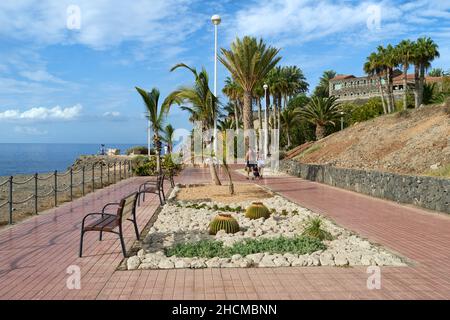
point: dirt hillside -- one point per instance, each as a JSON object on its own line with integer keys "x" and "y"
{"x": 413, "y": 142}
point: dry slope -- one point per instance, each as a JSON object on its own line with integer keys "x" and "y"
{"x": 411, "y": 143}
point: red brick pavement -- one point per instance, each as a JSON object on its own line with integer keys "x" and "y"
{"x": 35, "y": 254}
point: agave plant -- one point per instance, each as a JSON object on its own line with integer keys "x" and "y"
{"x": 313, "y": 229}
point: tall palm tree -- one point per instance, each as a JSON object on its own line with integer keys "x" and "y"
{"x": 249, "y": 61}
{"x": 374, "y": 67}
{"x": 426, "y": 50}
{"x": 320, "y": 112}
{"x": 203, "y": 106}
{"x": 289, "y": 118}
{"x": 323, "y": 88}
{"x": 277, "y": 85}
{"x": 389, "y": 61}
{"x": 168, "y": 136}
{"x": 405, "y": 51}
{"x": 156, "y": 117}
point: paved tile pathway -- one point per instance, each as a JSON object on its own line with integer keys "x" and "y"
{"x": 35, "y": 255}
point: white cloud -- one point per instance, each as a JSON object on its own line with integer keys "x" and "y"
{"x": 42, "y": 114}
{"x": 40, "y": 76}
{"x": 103, "y": 23}
{"x": 30, "y": 131}
{"x": 112, "y": 114}
{"x": 294, "y": 22}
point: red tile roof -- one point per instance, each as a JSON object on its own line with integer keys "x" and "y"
{"x": 343, "y": 76}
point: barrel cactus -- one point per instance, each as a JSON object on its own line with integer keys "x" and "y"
{"x": 223, "y": 222}
{"x": 257, "y": 210}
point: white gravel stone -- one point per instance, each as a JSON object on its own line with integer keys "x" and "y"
{"x": 133, "y": 263}
{"x": 340, "y": 260}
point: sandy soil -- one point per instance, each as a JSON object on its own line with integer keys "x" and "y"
{"x": 243, "y": 192}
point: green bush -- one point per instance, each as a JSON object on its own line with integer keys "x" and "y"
{"x": 281, "y": 245}
{"x": 313, "y": 229}
{"x": 144, "y": 166}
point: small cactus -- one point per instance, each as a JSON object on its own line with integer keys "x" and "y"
{"x": 257, "y": 210}
{"x": 223, "y": 222}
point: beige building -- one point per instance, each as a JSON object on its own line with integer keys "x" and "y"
{"x": 350, "y": 88}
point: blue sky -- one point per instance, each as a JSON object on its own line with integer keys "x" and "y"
{"x": 77, "y": 85}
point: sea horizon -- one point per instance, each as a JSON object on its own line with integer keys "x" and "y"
{"x": 29, "y": 158}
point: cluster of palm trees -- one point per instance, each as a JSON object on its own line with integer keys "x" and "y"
{"x": 385, "y": 60}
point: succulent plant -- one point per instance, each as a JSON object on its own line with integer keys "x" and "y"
{"x": 257, "y": 210}
{"x": 223, "y": 222}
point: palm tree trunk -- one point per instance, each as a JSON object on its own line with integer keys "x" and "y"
{"x": 247, "y": 116}
{"x": 230, "y": 180}
{"x": 405, "y": 86}
{"x": 214, "y": 177}
{"x": 320, "y": 131}
{"x": 421, "y": 83}
{"x": 259, "y": 113}
{"x": 380, "y": 87}
{"x": 236, "y": 116}
{"x": 288, "y": 138}
{"x": 388, "y": 91}
{"x": 416, "y": 86}
{"x": 279, "y": 112}
{"x": 158, "y": 153}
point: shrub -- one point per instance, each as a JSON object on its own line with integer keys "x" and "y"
{"x": 138, "y": 150}
{"x": 223, "y": 222}
{"x": 313, "y": 229}
{"x": 144, "y": 166}
{"x": 257, "y": 210}
{"x": 281, "y": 245}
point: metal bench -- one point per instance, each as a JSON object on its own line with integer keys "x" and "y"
{"x": 107, "y": 222}
{"x": 155, "y": 186}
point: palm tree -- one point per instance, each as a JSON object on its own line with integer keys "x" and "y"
{"x": 436, "y": 72}
{"x": 168, "y": 137}
{"x": 249, "y": 61}
{"x": 289, "y": 118}
{"x": 374, "y": 67}
{"x": 203, "y": 107}
{"x": 426, "y": 50}
{"x": 323, "y": 88}
{"x": 156, "y": 117}
{"x": 320, "y": 112}
{"x": 405, "y": 50}
{"x": 389, "y": 61}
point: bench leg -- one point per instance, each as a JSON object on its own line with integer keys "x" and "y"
{"x": 136, "y": 228}
{"x": 101, "y": 236}
{"x": 122, "y": 242}
{"x": 81, "y": 243}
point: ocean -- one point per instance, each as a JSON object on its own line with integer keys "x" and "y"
{"x": 30, "y": 158}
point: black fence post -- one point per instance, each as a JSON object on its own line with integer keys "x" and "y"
{"x": 108, "y": 173}
{"x": 93, "y": 177}
{"x": 56, "y": 188}
{"x": 10, "y": 199}
{"x": 82, "y": 180}
{"x": 71, "y": 184}
{"x": 120, "y": 170}
{"x": 115, "y": 178}
{"x": 35, "y": 193}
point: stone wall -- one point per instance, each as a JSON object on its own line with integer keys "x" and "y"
{"x": 427, "y": 192}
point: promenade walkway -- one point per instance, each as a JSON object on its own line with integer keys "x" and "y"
{"x": 35, "y": 255}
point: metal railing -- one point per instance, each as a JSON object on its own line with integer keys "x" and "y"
{"x": 115, "y": 171}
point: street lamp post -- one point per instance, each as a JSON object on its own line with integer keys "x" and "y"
{"x": 216, "y": 21}
{"x": 266, "y": 122}
{"x": 342, "y": 120}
